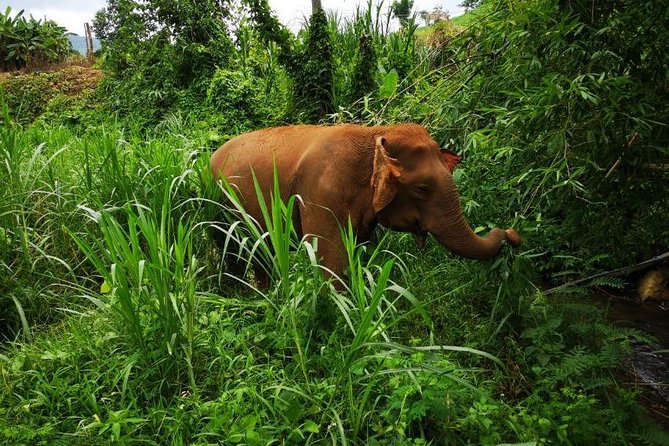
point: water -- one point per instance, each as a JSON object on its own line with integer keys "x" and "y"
{"x": 649, "y": 363}
{"x": 650, "y": 316}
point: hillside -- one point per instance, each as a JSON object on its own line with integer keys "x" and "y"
{"x": 79, "y": 43}
{"x": 30, "y": 95}
{"x": 457, "y": 24}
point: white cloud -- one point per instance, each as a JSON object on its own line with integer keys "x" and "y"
{"x": 292, "y": 12}
{"x": 73, "y": 13}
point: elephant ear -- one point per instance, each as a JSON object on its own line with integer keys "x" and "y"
{"x": 451, "y": 159}
{"x": 384, "y": 178}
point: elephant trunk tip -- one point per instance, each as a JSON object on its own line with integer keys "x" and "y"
{"x": 513, "y": 237}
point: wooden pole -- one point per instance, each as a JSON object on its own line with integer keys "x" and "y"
{"x": 89, "y": 42}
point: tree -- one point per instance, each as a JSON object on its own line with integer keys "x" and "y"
{"x": 362, "y": 82}
{"x": 270, "y": 29}
{"x": 159, "y": 52}
{"x": 435, "y": 16}
{"x": 402, "y": 10}
{"x": 471, "y": 4}
{"x": 425, "y": 16}
{"x": 192, "y": 37}
{"x": 313, "y": 78}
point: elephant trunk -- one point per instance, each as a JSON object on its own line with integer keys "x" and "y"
{"x": 453, "y": 232}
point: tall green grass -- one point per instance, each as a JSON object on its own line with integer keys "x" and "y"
{"x": 150, "y": 273}
{"x": 123, "y": 332}
{"x": 151, "y": 348}
{"x": 48, "y": 173}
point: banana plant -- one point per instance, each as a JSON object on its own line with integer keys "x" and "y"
{"x": 30, "y": 41}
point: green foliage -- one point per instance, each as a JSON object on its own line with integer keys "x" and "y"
{"x": 313, "y": 68}
{"x": 383, "y": 61}
{"x": 153, "y": 50}
{"x": 269, "y": 29}
{"x": 243, "y": 101}
{"x": 110, "y": 283}
{"x": 30, "y": 43}
{"x": 149, "y": 272}
{"x": 362, "y": 82}
{"x": 471, "y": 3}
{"x": 57, "y": 96}
{"x": 27, "y": 96}
{"x": 301, "y": 79}
{"x": 401, "y": 9}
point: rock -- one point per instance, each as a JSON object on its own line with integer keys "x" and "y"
{"x": 655, "y": 285}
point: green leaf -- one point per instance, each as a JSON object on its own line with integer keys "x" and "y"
{"x": 116, "y": 430}
{"x": 389, "y": 85}
{"x": 311, "y": 426}
{"x": 105, "y": 288}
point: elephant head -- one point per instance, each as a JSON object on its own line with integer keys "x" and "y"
{"x": 414, "y": 191}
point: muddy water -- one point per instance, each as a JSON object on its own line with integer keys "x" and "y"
{"x": 649, "y": 365}
{"x": 651, "y": 317}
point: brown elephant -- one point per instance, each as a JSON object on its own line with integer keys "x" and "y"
{"x": 393, "y": 175}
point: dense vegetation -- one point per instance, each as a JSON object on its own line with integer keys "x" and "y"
{"x": 29, "y": 42}
{"x": 121, "y": 326}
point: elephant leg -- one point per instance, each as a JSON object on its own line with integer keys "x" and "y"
{"x": 320, "y": 223}
{"x": 261, "y": 276}
{"x": 228, "y": 262}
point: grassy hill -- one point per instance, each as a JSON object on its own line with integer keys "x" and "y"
{"x": 79, "y": 43}
{"x": 459, "y": 23}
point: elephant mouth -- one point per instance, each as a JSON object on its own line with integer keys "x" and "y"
{"x": 413, "y": 227}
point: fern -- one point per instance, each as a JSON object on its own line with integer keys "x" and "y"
{"x": 574, "y": 365}
{"x": 610, "y": 282}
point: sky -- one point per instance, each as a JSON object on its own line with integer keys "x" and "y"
{"x": 73, "y": 13}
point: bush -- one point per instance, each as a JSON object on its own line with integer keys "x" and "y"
{"x": 154, "y": 51}
{"x": 313, "y": 68}
{"x": 237, "y": 96}
{"x": 559, "y": 118}
{"x": 70, "y": 91}
{"x": 31, "y": 43}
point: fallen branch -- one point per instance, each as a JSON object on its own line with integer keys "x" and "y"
{"x": 612, "y": 273}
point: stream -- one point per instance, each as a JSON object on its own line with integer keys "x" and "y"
{"x": 649, "y": 363}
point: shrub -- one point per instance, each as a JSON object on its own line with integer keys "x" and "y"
{"x": 312, "y": 69}
{"x": 559, "y": 119}
{"x": 31, "y": 43}
{"x": 236, "y": 95}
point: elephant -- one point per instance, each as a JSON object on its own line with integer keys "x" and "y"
{"x": 394, "y": 175}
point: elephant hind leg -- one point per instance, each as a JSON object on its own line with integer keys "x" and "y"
{"x": 263, "y": 279}
{"x": 231, "y": 266}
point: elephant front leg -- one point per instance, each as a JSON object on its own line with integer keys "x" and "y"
{"x": 320, "y": 223}
{"x": 332, "y": 255}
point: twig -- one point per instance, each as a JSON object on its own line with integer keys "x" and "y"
{"x": 615, "y": 165}
{"x": 612, "y": 273}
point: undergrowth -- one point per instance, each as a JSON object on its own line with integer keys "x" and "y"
{"x": 131, "y": 309}
{"x": 153, "y": 345}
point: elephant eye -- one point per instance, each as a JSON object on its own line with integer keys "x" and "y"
{"x": 422, "y": 189}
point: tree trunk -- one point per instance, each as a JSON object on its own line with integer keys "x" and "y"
{"x": 315, "y": 5}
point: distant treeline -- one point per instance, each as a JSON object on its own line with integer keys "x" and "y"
{"x": 30, "y": 42}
